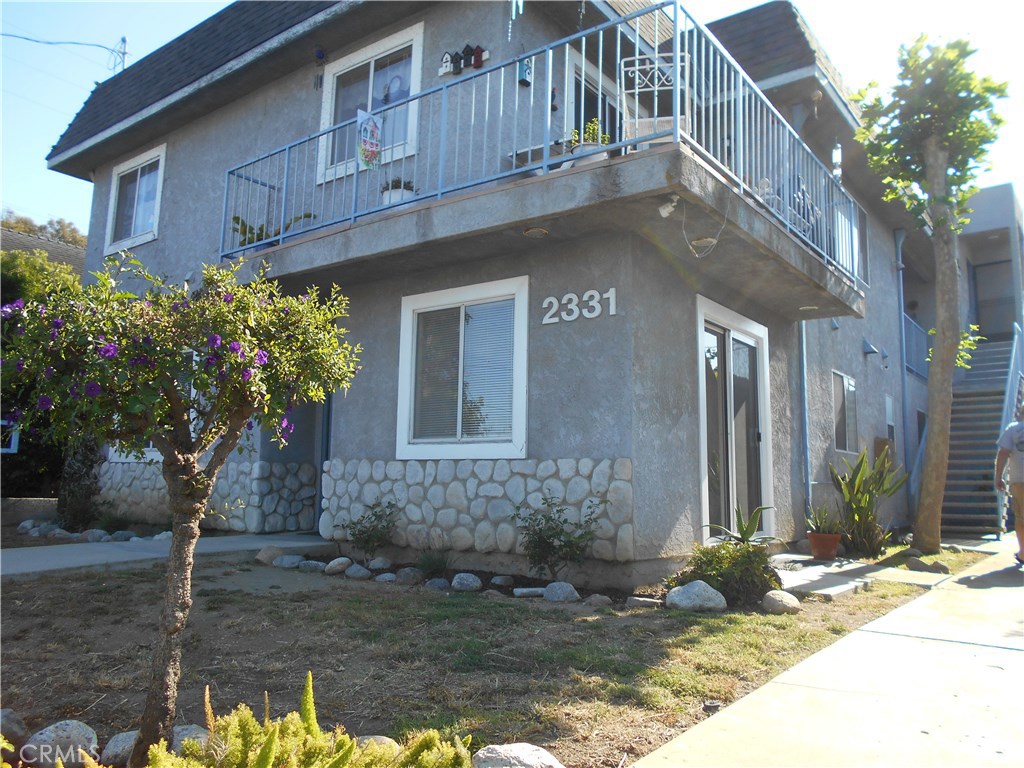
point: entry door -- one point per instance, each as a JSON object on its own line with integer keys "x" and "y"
{"x": 732, "y": 436}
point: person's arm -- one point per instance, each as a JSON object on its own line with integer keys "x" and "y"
{"x": 1002, "y": 457}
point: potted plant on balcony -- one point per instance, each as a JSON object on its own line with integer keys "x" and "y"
{"x": 396, "y": 189}
{"x": 823, "y": 534}
{"x": 591, "y": 140}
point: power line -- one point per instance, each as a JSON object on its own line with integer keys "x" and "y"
{"x": 119, "y": 53}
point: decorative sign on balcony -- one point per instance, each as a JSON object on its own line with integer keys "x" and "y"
{"x": 369, "y": 141}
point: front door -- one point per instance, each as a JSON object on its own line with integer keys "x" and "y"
{"x": 733, "y": 432}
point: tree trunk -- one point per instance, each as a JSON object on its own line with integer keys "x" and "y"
{"x": 946, "y": 344}
{"x": 79, "y": 486}
{"x": 188, "y": 490}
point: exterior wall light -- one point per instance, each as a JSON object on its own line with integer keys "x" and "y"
{"x": 535, "y": 233}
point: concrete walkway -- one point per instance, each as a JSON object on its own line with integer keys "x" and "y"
{"x": 937, "y": 682}
{"x": 29, "y": 561}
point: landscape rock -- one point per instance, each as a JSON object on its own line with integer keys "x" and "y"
{"x": 379, "y": 564}
{"x": 60, "y": 741}
{"x": 26, "y": 525}
{"x": 778, "y": 602}
{"x": 696, "y": 596}
{"x": 635, "y": 601}
{"x": 383, "y": 741}
{"x": 122, "y": 536}
{"x": 312, "y": 566}
{"x": 268, "y": 555}
{"x": 357, "y": 572}
{"x": 597, "y": 601}
{"x": 94, "y": 535}
{"x": 502, "y": 580}
{"x": 528, "y": 592}
{"x": 940, "y": 567}
{"x": 466, "y": 582}
{"x": 181, "y": 732}
{"x": 515, "y": 756}
{"x": 911, "y": 552}
{"x": 12, "y": 727}
{"x": 917, "y": 564}
{"x": 164, "y": 535}
{"x": 409, "y": 576}
{"x": 119, "y": 749}
{"x": 492, "y": 593}
{"x": 288, "y": 561}
{"x": 561, "y": 592}
{"x": 338, "y": 565}
{"x": 438, "y": 585}
{"x": 386, "y": 578}
{"x": 953, "y": 548}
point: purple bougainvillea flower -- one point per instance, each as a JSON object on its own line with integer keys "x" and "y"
{"x": 228, "y": 298}
{"x": 249, "y": 425}
{"x": 48, "y": 373}
{"x": 286, "y": 426}
{"x": 108, "y": 350}
{"x": 44, "y": 403}
{"x": 93, "y": 389}
{"x": 235, "y": 346}
{"x": 262, "y": 357}
{"x": 247, "y": 374}
{"x": 42, "y": 310}
{"x": 19, "y": 366}
{"x": 58, "y": 323}
{"x": 213, "y": 341}
{"x": 212, "y": 360}
{"x": 6, "y": 311}
{"x": 15, "y": 415}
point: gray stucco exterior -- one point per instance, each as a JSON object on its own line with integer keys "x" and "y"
{"x": 614, "y": 403}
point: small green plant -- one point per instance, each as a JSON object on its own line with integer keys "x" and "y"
{"x": 591, "y": 134}
{"x": 968, "y": 343}
{"x": 397, "y": 183}
{"x": 239, "y": 740}
{"x": 746, "y": 530}
{"x": 739, "y": 570}
{"x": 820, "y": 520}
{"x": 249, "y": 234}
{"x": 550, "y": 541}
{"x": 861, "y": 488}
{"x": 373, "y": 529}
{"x": 434, "y": 563}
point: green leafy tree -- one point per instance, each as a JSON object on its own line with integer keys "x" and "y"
{"x": 133, "y": 359}
{"x": 26, "y": 274}
{"x": 928, "y": 139}
{"x": 54, "y": 229}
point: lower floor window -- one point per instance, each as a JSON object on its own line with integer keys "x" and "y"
{"x": 844, "y": 401}
{"x": 463, "y": 372}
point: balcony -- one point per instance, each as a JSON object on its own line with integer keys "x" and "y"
{"x": 654, "y": 79}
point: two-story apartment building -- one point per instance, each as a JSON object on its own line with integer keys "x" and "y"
{"x": 697, "y": 315}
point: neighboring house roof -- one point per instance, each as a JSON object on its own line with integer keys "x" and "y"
{"x": 774, "y": 45}
{"x": 72, "y": 255}
{"x": 197, "y": 53}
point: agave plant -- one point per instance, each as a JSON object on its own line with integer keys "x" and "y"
{"x": 746, "y": 530}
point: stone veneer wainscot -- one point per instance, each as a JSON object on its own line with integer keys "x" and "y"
{"x": 469, "y": 504}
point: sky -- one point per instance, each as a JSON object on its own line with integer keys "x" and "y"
{"x": 44, "y": 86}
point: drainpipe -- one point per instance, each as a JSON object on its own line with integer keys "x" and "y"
{"x": 805, "y": 419}
{"x": 899, "y": 236}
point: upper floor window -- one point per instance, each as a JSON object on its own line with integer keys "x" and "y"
{"x": 462, "y": 369}
{"x": 135, "y": 200}
{"x": 844, "y": 403}
{"x": 371, "y": 80}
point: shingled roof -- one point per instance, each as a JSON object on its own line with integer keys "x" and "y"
{"x": 215, "y": 42}
{"x": 772, "y": 41}
{"x": 72, "y": 255}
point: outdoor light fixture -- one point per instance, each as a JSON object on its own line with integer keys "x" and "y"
{"x": 535, "y": 233}
{"x": 666, "y": 209}
{"x": 809, "y": 308}
{"x": 868, "y": 348}
{"x": 705, "y": 243}
{"x": 835, "y": 324}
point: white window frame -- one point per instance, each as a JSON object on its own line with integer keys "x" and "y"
{"x": 412, "y": 35}
{"x": 852, "y": 430}
{"x": 516, "y": 288}
{"x": 157, "y": 153}
{"x": 749, "y": 331}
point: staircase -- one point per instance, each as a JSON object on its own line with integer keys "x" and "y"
{"x": 970, "y": 504}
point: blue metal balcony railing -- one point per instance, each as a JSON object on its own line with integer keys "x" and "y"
{"x": 918, "y": 347}
{"x": 652, "y": 76}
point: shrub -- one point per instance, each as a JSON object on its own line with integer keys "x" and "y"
{"x": 434, "y": 563}
{"x": 239, "y": 740}
{"x": 862, "y": 487}
{"x": 550, "y": 541}
{"x": 373, "y": 529}
{"x": 740, "y": 571}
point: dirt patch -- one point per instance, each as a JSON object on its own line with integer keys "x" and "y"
{"x": 590, "y": 685}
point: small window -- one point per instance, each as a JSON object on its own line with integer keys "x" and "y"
{"x": 135, "y": 200}
{"x": 844, "y": 401}
{"x": 462, "y": 391}
{"x": 369, "y": 81}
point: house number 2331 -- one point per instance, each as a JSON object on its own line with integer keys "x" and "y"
{"x": 572, "y": 306}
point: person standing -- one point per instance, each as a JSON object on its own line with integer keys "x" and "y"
{"x": 1011, "y": 454}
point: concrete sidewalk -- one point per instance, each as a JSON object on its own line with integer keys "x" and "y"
{"x": 936, "y": 683}
{"x": 30, "y": 561}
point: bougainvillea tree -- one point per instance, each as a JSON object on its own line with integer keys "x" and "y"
{"x": 136, "y": 360}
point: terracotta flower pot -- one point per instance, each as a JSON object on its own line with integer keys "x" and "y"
{"x": 824, "y": 545}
